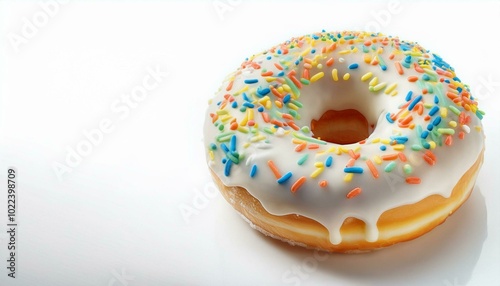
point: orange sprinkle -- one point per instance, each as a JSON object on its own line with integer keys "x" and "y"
{"x": 389, "y": 157}
{"x": 430, "y": 154}
{"x": 412, "y": 78}
{"x": 413, "y": 180}
{"x": 215, "y": 117}
{"x": 425, "y": 91}
{"x": 451, "y": 95}
{"x": 427, "y": 118}
{"x": 300, "y": 147}
{"x": 407, "y": 119}
{"x": 402, "y": 157}
{"x": 313, "y": 146}
{"x": 418, "y": 68}
{"x": 292, "y": 72}
{"x": 353, "y": 155}
{"x": 276, "y": 92}
{"x": 461, "y": 135}
{"x": 323, "y": 183}
{"x": 274, "y": 169}
{"x": 298, "y": 184}
{"x": 293, "y": 125}
{"x": 277, "y": 123}
{"x": 332, "y": 47}
{"x": 351, "y": 162}
{"x": 305, "y": 74}
{"x": 265, "y": 116}
{"x": 267, "y": 73}
{"x": 234, "y": 126}
{"x": 372, "y": 168}
{"x": 399, "y": 68}
{"x": 367, "y": 43}
{"x": 296, "y": 81}
{"x": 449, "y": 140}
{"x": 329, "y": 62}
{"x": 230, "y": 85}
{"x": 354, "y": 192}
{"x": 429, "y": 160}
{"x": 278, "y": 66}
{"x": 287, "y": 116}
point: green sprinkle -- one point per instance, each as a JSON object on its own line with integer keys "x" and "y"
{"x": 233, "y": 156}
{"x": 454, "y": 109}
{"x": 407, "y": 169}
{"x": 390, "y": 167}
{"x": 302, "y": 159}
{"x": 305, "y": 129}
{"x": 416, "y": 147}
{"x": 268, "y": 130}
{"x": 297, "y": 103}
{"x": 308, "y": 139}
{"x": 304, "y": 81}
{"x": 292, "y": 85}
{"x": 447, "y": 131}
{"x": 223, "y": 137}
{"x": 221, "y": 127}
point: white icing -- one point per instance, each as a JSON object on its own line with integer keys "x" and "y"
{"x": 329, "y": 206}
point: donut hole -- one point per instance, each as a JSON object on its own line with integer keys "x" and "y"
{"x": 342, "y": 127}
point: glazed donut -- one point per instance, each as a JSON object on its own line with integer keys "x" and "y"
{"x": 344, "y": 141}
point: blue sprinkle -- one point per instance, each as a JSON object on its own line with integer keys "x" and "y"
{"x": 227, "y": 169}
{"x": 297, "y": 62}
{"x": 260, "y": 109}
{"x": 430, "y": 126}
{"x": 224, "y": 160}
{"x": 253, "y": 171}
{"x": 213, "y": 146}
{"x": 263, "y": 91}
{"x": 479, "y": 114}
{"x": 313, "y": 51}
{"x": 400, "y": 139}
{"x": 353, "y": 66}
{"x": 383, "y": 68}
{"x": 279, "y": 52}
{"x": 245, "y": 97}
{"x": 436, "y": 121}
{"x": 287, "y": 98}
{"x": 459, "y": 89}
{"x": 248, "y": 104}
{"x": 234, "y": 104}
{"x": 409, "y": 95}
{"x": 281, "y": 73}
{"x": 232, "y": 143}
{"x": 284, "y": 178}
{"x": 424, "y": 134}
{"x": 434, "y": 110}
{"x": 356, "y": 170}
{"x": 224, "y": 147}
{"x": 388, "y": 117}
{"x": 383, "y": 148}
{"x": 426, "y": 77}
{"x": 414, "y": 102}
{"x": 329, "y": 161}
{"x": 269, "y": 57}
{"x": 426, "y": 145}
{"x": 408, "y": 59}
{"x": 251, "y": 80}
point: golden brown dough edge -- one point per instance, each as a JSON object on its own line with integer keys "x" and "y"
{"x": 396, "y": 225}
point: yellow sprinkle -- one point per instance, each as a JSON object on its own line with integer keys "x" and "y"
{"x": 319, "y": 165}
{"x": 394, "y": 93}
{"x": 264, "y": 100}
{"x": 305, "y": 52}
{"x": 317, "y": 76}
{"x": 377, "y": 159}
{"x": 268, "y": 105}
{"x": 404, "y": 113}
{"x": 317, "y": 172}
{"x": 286, "y": 88}
{"x": 257, "y": 138}
{"x": 319, "y": 66}
{"x": 390, "y": 88}
{"x": 444, "y": 112}
{"x": 243, "y": 129}
{"x": 331, "y": 149}
{"x": 344, "y": 52}
{"x": 356, "y": 149}
{"x": 348, "y": 177}
{"x": 433, "y": 144}
{"x": 270, "y": 78}
{"x": 428, "y": 105}
{"x": 292, "y": 106}
{"x": 376, "y": 140}
{"x": 250, "y": 114}
{"x": 385, "y": 141}
{"x": 280, "y": 89}
{"x": 355, "y": 50}
{"x": 221, "y": 112}
{"x": 398, "y": 147}
{"x": 367, "y": 58}
{"x": 478, "y": 128}
{"x": 335, "y": 75}
{"x": 453, "y": 123}
{"x": 373, "y": 82}
{"x": 343, "y": 150}
{"x": 211, "y": 154}
{"x": 242, "y": 90}
{"x": 246, "y": 145}
{"x": 346, "y": 76}
{"x": 244, "y": 121}
{"x": 379, "y": 86}
{"x": 278, "y": 103}
{"x": 225, "y": 118}
{"x": 366, "y": 76}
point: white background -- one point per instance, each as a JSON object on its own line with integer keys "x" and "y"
{"x": 116, "y": 218}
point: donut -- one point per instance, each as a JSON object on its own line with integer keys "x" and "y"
{"x": 344, "y": 141}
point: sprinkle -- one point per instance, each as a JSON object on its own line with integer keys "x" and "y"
{"x": 389, "y": 167}
{"x": 390, "y": 88}
{"x": 353, "y": 193}
{"x": 317, "y": 172}
{"x": 409, "y": 95}
{"x": 252, "y": 80}
{"x": 346, "y": 76}
{"x": 447, "y": 131}
{"x": 317, "y": 76}
{"x": 413, "y": 180}
{"x": 274, "y": 169}
{"x": 329, "y": 62}
{"x": 399, "y": 68}
{"x": 253, "y": 171}
{"x": 407, "y": 169}
{"x": 355, "y": 170}
{"x": 323, "y": 183}
{"x": 379, "y": 86}
{"x": 348, "y": 177}
{"x": 308, "y": 139}
{"x": 412, "y": 78}
{"x": 284, "y": 178}
{"x": 297, "y": 184}
{"x": 335, "y": 75}
{"x": 353, "y": 66}
{"x": 414, "y": 102}
{"x": 366, "y": 76}
{"x": 372, "y": 168}
{"x": 329, "y": 161}
{"x": 454, "y": 110}
{"x": 302, "y": 159}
